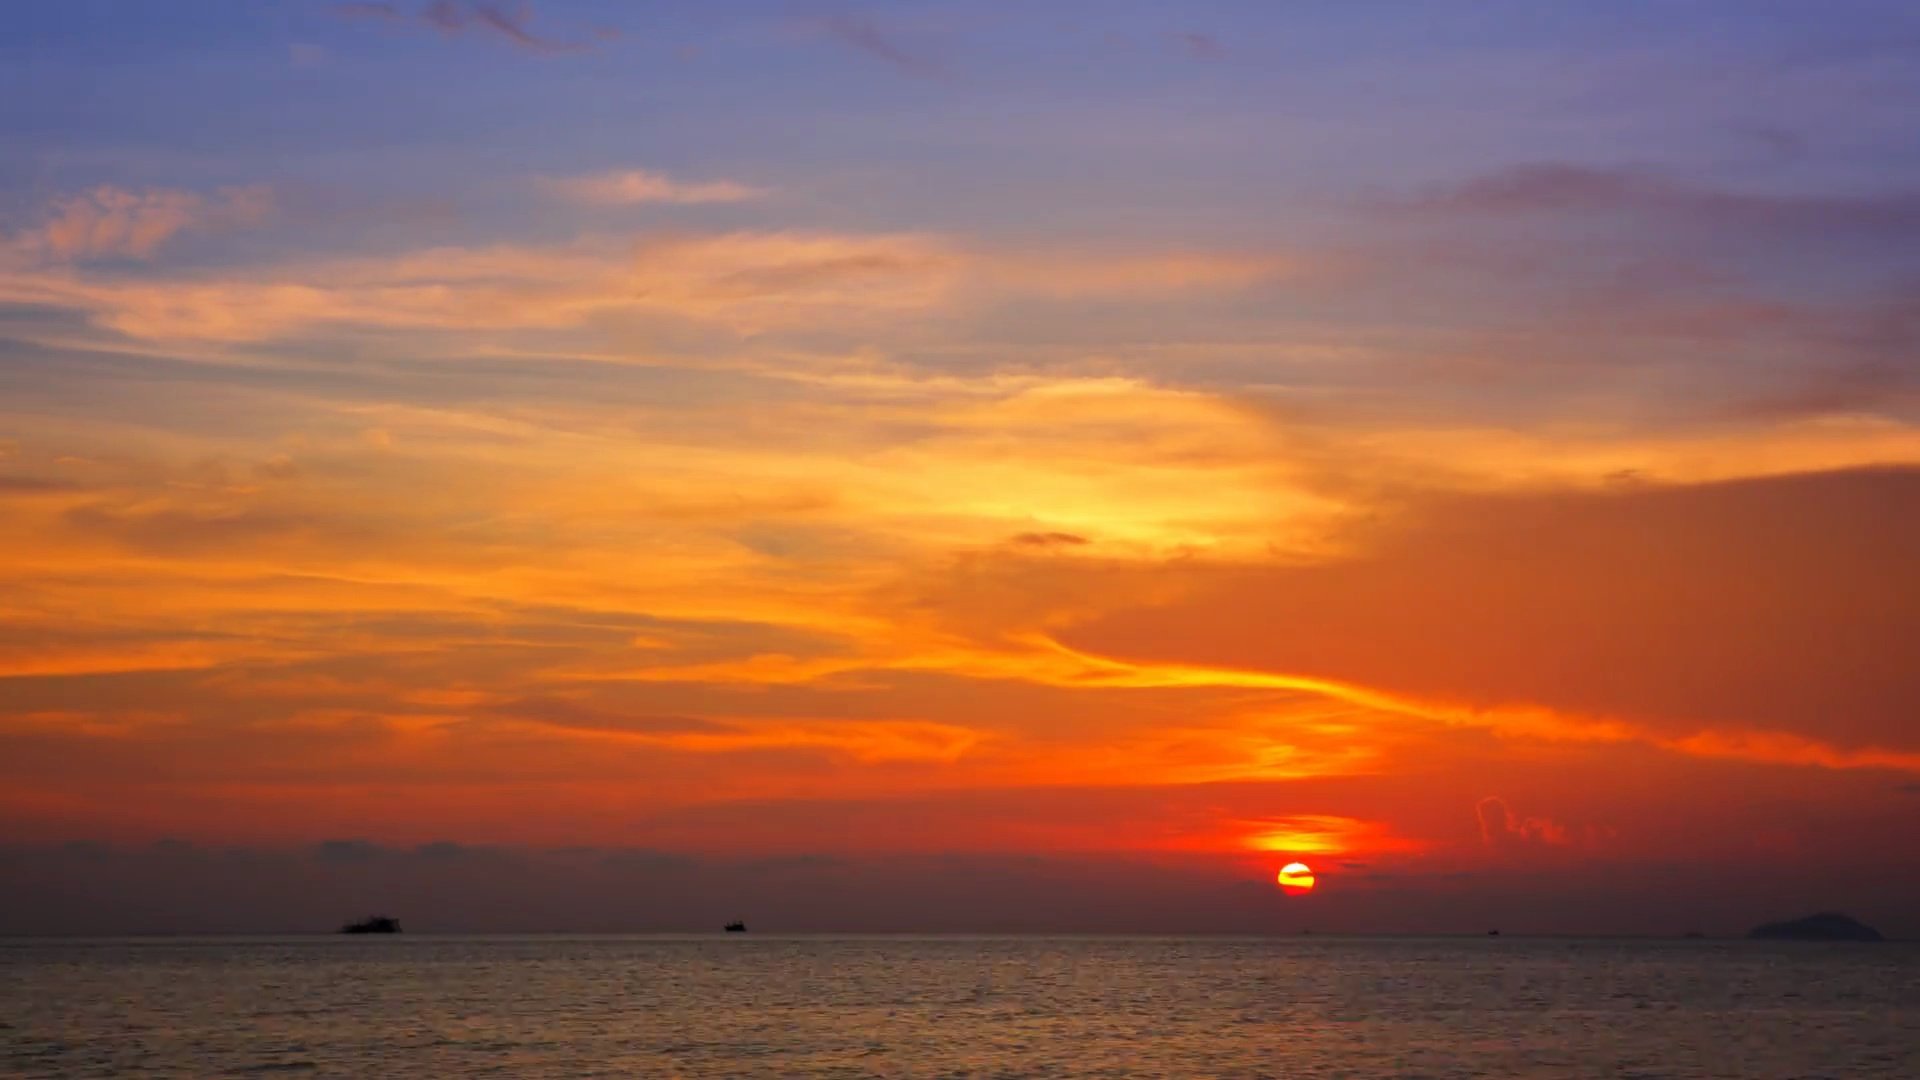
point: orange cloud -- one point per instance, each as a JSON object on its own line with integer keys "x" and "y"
{"x": 1322, "y": 834}
{"x": 1160, "y": 609}
{"x": 115, "y": 656}
{"x": 108, "y": 221}
{"x": 865, "y": 741}
{"x": 747, "y": 282}
{"x": 1564, "y": 600}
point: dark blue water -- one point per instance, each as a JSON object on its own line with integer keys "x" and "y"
{"x": 751, "y": 1005}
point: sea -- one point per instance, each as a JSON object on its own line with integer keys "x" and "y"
{"x": 750, "y": 1005}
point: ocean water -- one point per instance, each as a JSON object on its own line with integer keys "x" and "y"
{"x": 753, "y": 1005}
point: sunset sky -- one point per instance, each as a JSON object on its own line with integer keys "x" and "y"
{"x": 959, "y": 466}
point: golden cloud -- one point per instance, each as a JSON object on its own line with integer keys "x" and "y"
{"x": 746, "y": 281}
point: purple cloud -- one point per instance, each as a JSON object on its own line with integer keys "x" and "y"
{"x": 451, "y": 18}
{"x": 864, "y": 35}
{"x": 1199, "y": 46}
{"x": 359, "y": 10}
{"x": 1556, "y": 187}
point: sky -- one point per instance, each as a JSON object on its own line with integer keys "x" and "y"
{"x": 959, "y": 466}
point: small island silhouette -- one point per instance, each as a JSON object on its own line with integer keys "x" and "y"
{"x": 736, "y": 927}
{"x": 373, "y": 924}
{"x": 1823, "y": 926}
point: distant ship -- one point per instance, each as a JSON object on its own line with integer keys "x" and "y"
{"x": 736, "y": 928}
{"x": 376, "y": 924}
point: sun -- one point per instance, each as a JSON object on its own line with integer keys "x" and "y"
{"x": 1296, "y": 879}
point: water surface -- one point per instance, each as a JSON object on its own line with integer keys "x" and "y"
{"x": 757, "y": 1005}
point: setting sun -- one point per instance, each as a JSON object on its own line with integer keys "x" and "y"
{"x": 1296, "y": 879}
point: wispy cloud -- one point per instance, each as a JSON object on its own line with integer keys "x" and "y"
{"x": 1199, "y": 46}
{"x": 873, "y": 741}
{"x": 745, "y": 280}
{"x": 748, "y": 281}
{"x": 304, "y": 55}
{"x": 628, "y": 186}
{"x": 1781, "y": 143}
{"x": 1050, "y": 539}
{"x": 113, "y": 222}
{"x": 513, "y": 26}
{"x": 865, "y": 35}
{"x": 362, "y": 9}
{"x": 1557, "y": 187}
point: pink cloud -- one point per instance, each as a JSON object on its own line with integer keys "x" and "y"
{"x": 628, "y": 186}
{"x": 108, "y": 221}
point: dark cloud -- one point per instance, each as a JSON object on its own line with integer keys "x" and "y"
{"x": 862, "y": 34}
{"x": 513, "y": 27}
{"x": 647, "y": 859}
{"x": 1879, "y": 383}
{"x": 612, "y": 890}
{"x": 452, "y": 849}
{"x": 1199, "y": 46}
{"x": 362, "y": 10}
{"x": 181, "y": 530}
{"x": 36, "y": 485}
{"x": 271, "y": 891}
{"x": 453, "y": 19}
{"x": 445, "y": 15}
{"x": 1050, "y": 539}
{"x": 1847, "y": 354}
{"x": 1556, "y": 187}
{"x": 1782, "y": 144}
{"x": 346, "y": 851}
{"x": 804, "y": 861}
{"x": 565, "y": 713}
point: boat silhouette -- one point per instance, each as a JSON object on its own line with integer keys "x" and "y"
{"x": 736, "y": 927}
{"x": 373, "y": 924}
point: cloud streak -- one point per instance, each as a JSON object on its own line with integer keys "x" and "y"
{"x": 749, "y": 281}
{"x": 1560, "y": 188}
{"x": 866, "y": 36}
{"x": 1199, "y": 46}
{"x": 630, "y": 186}
{"x": 450, "y": 18}
{"x": 112, "y": 222}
